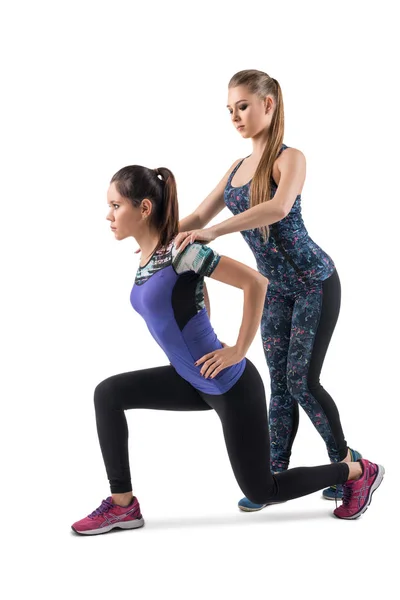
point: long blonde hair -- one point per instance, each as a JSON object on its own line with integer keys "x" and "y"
{"x": 263, "y": 85}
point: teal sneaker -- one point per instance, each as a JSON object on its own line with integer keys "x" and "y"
{"x": 247, "y": 506}
{"x": 335, "y": 492}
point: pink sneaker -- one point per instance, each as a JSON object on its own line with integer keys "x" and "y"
{"x": 357, "y": 494}
{"x": 109, "y": 516}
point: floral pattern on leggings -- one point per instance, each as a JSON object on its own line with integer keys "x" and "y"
{"x": 288, "y": 330}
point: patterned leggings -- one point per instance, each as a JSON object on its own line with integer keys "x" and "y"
{"x": 296, "y": 329}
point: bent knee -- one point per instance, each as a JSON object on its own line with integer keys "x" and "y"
{"x": 104, "y": 392}
{"x": 262, "y": 495}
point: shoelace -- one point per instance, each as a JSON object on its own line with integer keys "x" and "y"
{"x": 347, "y": 492}
{"x": 104, "y": 507}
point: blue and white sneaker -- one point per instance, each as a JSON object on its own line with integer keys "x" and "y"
{"x": 247, "y": 506}
{"x": 335, "y": 492}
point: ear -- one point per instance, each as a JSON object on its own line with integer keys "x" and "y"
{"x": 268, "y": 104}
{"x": 146, "y": 208}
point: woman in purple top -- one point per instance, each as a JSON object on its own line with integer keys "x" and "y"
{"x": 202, "y": 374}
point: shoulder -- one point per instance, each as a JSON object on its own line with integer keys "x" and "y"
{"x": 291, "y": 158}
{"x": 233, "y": 166}
{"x": 195, "y": 257}
{"x": 190, "y": 250}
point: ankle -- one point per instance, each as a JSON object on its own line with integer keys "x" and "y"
{"x": 355, "y": 470}
{"x": 122, "y": 499}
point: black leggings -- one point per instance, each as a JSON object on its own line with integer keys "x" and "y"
{"x": 243, "y": 415}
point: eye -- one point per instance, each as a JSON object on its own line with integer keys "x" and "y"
{"x": 230, "y": 111}
{"x": 243, "y": 106}
{"x": 115, "y": 206}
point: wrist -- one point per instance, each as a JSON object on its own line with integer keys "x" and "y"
{"x": 215, "y": 230}
{"x": 240, "y": 350}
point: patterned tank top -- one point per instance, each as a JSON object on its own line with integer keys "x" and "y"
{"x": 289, "y": 258}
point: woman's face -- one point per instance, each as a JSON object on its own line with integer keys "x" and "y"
{"x": 126, "y": 220}
{"x": 249, "y": 113}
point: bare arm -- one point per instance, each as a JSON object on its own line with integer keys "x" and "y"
{"x": 292, "y": 168}
{"x": 254, "y": 286}
{"x": 209, "y": 208}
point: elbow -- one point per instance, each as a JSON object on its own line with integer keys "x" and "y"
{"x": 263, "y": 282}
{"x": 260, "y": 284}
{"x": 283, "y": 211}
{"x": 279, "y": 212}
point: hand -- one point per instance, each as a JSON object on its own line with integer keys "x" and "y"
{"x": 214, "y": 362}
{"x": 188, "y": 237}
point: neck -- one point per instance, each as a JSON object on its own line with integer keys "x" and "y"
{"x": 147, "y": 242}
{"x": 259, "y": 142}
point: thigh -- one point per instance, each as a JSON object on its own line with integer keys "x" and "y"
{"x": 159, "y": 388}
{"x": 306, "y": 316}
{"x": 315, "y": 314}
{"x": 244, "y": 419}
{"x": 275, "y": 331}
{"x": 330, "y": 308}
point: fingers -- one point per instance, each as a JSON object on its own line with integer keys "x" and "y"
{"x": 210, "y": 365}
{"x": 138, "y": 251}
{"x": 211, "y": 371}
{"x": 181, "y": 239}
{"x": 203, "y": 359}
{"x": 206, "y": 365}
{"x": 185, "y": 243}
{"x": 217, "y": 370}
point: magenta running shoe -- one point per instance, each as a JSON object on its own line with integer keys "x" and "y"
{"x": 357, "y": 494}
{"x": 110, "y": 516}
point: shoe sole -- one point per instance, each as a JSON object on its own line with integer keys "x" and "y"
{"x": 373, "y": 488}
{"x": 124, "y": 525}
{"x": 244, "y": 509}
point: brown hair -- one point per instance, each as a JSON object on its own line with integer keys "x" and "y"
{"x": 263, "y": 85}
{"x": 157, "y": 185}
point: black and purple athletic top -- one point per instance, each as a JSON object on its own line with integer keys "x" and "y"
{"x": 168, "y": 294}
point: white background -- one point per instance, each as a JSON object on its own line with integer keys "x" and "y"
{"x": 89, "y": 87}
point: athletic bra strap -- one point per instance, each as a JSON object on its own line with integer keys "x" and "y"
{"x": 234, "y": 171}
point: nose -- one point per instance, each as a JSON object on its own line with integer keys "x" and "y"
{"x": 235, "y": 115}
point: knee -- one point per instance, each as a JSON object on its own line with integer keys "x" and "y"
{"x": 314, "y": 384}
{"x": 103, "y": 393}
{"x": 296, "y": 383}
{"x": 262, "y": 495}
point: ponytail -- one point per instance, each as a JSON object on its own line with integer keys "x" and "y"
{"x": 263, "y": 85}
{"x": 168, "y": 221}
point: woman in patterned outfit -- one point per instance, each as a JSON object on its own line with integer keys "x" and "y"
{"x": 303, "y": 300}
